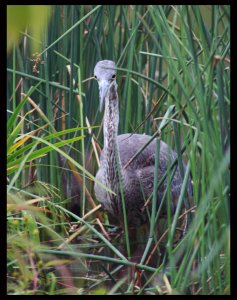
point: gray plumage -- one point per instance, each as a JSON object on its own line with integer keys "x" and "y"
{"x": 138, "y": 178}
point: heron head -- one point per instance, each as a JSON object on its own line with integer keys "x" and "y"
{"x": 105, "y": 74}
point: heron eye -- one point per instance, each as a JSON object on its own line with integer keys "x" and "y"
{"x": 114, "y": 76}
{"x": 95, "y": 76}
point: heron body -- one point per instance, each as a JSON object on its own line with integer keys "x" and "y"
{"x": 137, "y": 179}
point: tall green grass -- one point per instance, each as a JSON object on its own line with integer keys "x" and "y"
{"x": 170, "y": 59}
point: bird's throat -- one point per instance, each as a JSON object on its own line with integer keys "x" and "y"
{"x": 111, "y": 119}
{"x": 111, "y": 154}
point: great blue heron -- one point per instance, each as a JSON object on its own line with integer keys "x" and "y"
{"x": 135, "y": 181}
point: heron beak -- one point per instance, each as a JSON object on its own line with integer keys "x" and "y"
{"x": 103, "y": 88}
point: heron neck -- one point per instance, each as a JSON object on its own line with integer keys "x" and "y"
{"x": 111, "y": 118}
{"x": 111, "y": 121}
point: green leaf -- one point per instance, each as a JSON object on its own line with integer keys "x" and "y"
{"x": 33, "y": 17}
